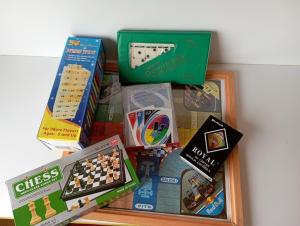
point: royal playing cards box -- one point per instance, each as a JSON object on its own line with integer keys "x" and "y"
{"x": 62, "y": 190}
{"x": 146, "y": 56}
{"x": 210, "y": 146}
{"x": 71, "y": 106}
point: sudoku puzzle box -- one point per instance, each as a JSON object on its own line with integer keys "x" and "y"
{"x": 62, "y": 190}
{"x": 163, "y": 56}
{"x": 71, "y": 106}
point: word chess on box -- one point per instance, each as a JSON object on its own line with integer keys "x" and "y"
{"x": 71, "y": 106}
{"x": 62, "y": 190}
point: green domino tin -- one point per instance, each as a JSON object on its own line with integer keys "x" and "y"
{"x": 184, "y": 62}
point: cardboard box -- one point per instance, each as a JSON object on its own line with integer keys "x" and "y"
{"x": 51, "y": 194}
{"x": 71, "y": 106}
{"x": 163, "y": 56}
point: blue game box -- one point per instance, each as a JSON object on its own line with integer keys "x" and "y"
{"x": 71, "y": 106}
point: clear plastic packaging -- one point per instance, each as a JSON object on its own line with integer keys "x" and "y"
{"x": 149, "y": 115}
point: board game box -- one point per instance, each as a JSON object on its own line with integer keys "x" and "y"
{"x": 70, "y": 110}
{"x": 62, "y": 190}
{"x": 146, "y": 56}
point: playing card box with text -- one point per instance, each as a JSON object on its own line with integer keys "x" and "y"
{"x": 210, "y": 146}
{"x": 62, "y": 190}
{"x": 70, "y": 110}
{"x": 146, "y": 56}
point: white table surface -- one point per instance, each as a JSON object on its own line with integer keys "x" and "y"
{"x": 268, "y": 111}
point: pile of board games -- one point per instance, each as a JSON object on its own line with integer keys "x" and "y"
{"x": 154, "y": 102}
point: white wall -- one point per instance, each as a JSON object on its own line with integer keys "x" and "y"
{"x": 251, "y": 32}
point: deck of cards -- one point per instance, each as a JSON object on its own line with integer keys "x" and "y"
{"x": 209, "y": 148}
{"x": 149, "y": 115}
{"x": 151, "y": 126}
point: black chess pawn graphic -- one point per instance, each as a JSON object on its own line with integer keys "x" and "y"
{"x": 82, "y": 184}
{"x": 91, "y": 176}
{"x": 80, "y": 203}
{"x": 69, "y": 189}
{"x": 77, "y": 164}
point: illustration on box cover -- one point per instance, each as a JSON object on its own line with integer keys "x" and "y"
{"x": 169, "y": 185}
{"x": 71, "y": 88}
{"x": 87, "y": 178}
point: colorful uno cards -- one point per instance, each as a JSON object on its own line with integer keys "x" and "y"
{"x": 150, "y": 115}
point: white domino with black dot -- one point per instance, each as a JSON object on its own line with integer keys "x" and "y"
{"x": 140, "y": 53}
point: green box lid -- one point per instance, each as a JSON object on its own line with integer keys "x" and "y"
{"x": 184, "y": 60}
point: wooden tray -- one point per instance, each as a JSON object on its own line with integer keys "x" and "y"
{"x": 232, "y": 168}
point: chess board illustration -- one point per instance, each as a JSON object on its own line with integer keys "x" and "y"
{"x": 101, "y": 171}
{"x": 73, "y": 82}
{"x": 62, "y": 190}
{"x": 141, "y": 53}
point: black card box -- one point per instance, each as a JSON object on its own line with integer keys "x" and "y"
{"x": 210, "y": 146}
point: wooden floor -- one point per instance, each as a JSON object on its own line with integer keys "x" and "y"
{"x": 7, "y": 222}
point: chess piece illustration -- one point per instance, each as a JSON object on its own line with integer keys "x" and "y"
{"x": 74, "y": 207}
{"x": 87, "y": 200}
{"x": 34, "y": 217}
{"x": 49, "y": 210}
{"x": 77, "y": 182}
{"x": 81, "y": 204}
{"x": 89, "y": 180}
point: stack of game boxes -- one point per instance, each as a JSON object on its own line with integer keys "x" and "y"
{"x": 62, "y": 190}
{"x": 142, "y": 110}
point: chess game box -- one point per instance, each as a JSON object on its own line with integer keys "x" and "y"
{"x": 70, "y": 110}
{"x": 62, "y": 190}
{"x": 163, "y": 56}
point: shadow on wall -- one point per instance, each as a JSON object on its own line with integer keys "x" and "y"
{"x": 214, "y": 54}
